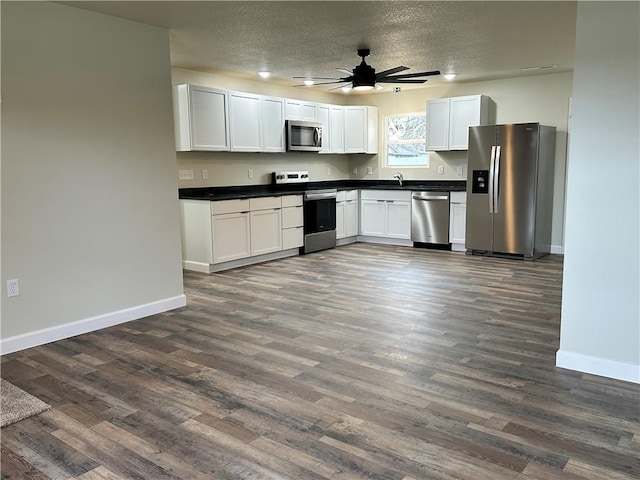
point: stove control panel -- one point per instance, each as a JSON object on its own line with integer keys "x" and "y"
{"x": 291, "y": 177}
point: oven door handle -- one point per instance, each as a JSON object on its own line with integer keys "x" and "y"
{"x": 320, "y": 196}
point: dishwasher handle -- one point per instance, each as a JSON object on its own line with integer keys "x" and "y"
{"x": 427, "y": 199}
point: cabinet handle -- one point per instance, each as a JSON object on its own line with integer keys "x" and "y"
{"x": 380, "y": 201}
{"x": 390, "y": 201}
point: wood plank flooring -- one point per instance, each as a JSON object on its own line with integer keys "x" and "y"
{"x": 361, "y": 362}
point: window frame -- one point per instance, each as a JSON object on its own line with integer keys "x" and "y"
{"x": 386, "y": 141}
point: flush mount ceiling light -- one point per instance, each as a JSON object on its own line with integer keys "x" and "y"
{"x": 308, "y": 82}
{"x": 346, "y": 89}
{"x": 449, "y": 76}
{"x": 364, "y": 77}
{"x": 264, "y": 74}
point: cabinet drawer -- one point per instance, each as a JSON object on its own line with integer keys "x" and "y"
{"x": 458, "y": 197}
{"x": 351, "y": 194}
{"x": 402, "y": 195}
{"x": 264, "y": 203}
{"x": 292, "y": 217}
{"x": 292, "y": 238}
{"x": 291, "y": 200}
{"x": 230, "y": 206}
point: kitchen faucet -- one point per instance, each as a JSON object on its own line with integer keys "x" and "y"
{"x": 398, "y": 176}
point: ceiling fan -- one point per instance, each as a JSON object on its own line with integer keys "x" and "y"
{"x": 364, "y": 77}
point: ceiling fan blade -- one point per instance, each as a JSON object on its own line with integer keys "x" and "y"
{"x": 418, "y": 74}
{"x": 322, "y": 83}
{"x": 348, "y": 72}
{"x": 335, "y": 88}
{"x": 391, "y": 71}
{"x": 392, "y": 80}
{"x": 319, "y": 78}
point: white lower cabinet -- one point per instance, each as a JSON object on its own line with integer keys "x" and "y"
{"x": 458, "y": 220}
{"x": 385, "y": 213}
{"x": 347, "y": 214}
{"x": 231, "y": 238}
{"x": 292, "y": 222}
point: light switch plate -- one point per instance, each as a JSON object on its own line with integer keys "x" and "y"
{"x": 185, "y": 174}
{"x": 459, "y": 170}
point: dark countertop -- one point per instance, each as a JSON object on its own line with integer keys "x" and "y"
{"x": 249, "y": 191}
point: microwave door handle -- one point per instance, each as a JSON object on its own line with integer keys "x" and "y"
{"x": 317, "y": 137}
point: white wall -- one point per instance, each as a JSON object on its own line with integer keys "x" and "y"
{"x": 600, "y": 329}
{"x": 90, "y": 223}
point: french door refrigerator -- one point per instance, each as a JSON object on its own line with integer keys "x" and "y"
{"x": 510, "y": 190}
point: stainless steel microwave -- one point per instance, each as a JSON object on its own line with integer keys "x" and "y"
{"x": 303, "y": 136}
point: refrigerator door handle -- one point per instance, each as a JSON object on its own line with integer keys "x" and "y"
{"x": 496, "y": 180}
{"x": 491, "y": 171}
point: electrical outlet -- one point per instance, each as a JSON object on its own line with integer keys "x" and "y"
{"x": 355, "y": 170}
{"x": 328, "y": 171}
{"x": 249, "y": 173}
{"x": 369, "y": 170}
{"x": 459, "y": 170}
{"x": 185, "y": 174}
{"x": 440, "y": 169}
{"x": 13, "y": 288}
{"x": 205, "y": 174}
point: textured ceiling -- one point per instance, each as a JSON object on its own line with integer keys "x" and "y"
{"x": 477, "y": 40}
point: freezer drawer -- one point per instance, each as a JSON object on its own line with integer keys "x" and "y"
{"x": 430, "y": 217}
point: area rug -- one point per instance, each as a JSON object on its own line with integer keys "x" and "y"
{"x": 16, "y": 404}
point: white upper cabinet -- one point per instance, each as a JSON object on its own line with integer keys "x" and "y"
{"x": 360, "y": 129}
{"x": 201, "y": 118}
{"x": 272, "y": 118}
{"x": 245, "y": 126}
{"x": 256, "y": 123}
{"x": 449, "y": 119}
{"x": 324, "y": 117}
{"x": 336, "y": 132}
{"x": 301, "y": 110}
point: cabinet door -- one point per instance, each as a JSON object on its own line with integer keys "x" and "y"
{"x": 355, "y": 129}
{"x": 309, "y": 112}
{"x": 292, "y": 109}
{"x": 292, "y": 238}
{"x": 266, "y": 231}
{"x": 244, "y": 122}
{"x": 230, "y": 236}
{"x": 324, "y": 117}
{"x": 463, "y": 113}
{"x": 398, "y": 219}
{"x": 438, "y": 124}
{"x": 340, "y": 220}
{"x": 351, "y": 218}
{"x": 373, "y": 218}
{"x": 201, "y": 118}
{"x": 336, "y": 124}
{"x": 457, "y": 223}
{"x": 272, "y": 116}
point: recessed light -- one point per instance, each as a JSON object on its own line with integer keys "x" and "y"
{"x": 346, "y": 89}
{"x": 264, "y": 74}
{"x": 308, "y": 82}
{"x": 449, "y": 76}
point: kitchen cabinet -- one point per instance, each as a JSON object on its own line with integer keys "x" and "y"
{"x": 292, "y": 222}
{"x": 347, "y": 214}
{"x": 230, "y": 230}
{"x": 324, "y": 118}
{"x": 385, "y": 213}
{"x": 336, "y": 129}
{"x": 201, "y": 118}
{"x": 457, "y": 220}
{"x": 256, "y": 123}
{"x": 360, "y": 129}
{"x": 449, "y": 119}
{"x": 266, "y": 225}
{"x": 272, "y": 124}
{"x": 301, "y": 110}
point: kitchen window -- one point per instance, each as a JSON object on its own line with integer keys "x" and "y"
{"x": 405, "y": 140}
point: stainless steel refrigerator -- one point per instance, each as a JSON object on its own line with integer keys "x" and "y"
{"x": 510, "y": 190}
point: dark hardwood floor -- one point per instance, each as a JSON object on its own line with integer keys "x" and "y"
{"x": 362, "y": 362}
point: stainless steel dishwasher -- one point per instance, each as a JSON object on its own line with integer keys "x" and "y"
{"x": 430, "y": 217}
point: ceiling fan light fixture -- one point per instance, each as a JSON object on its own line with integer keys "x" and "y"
{"x": 264, "y": 74}
{"x": 308, "y": 82}
{"x": 449, "y": 76}
{"x": 362, "y": 88}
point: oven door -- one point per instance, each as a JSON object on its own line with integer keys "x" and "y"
{"x": 319, "y": 221}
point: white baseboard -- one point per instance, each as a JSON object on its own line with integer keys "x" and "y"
{"x": 385, "y": 240}
{"x": 59, "y": 332}
{"x": 196, "y": 266}
{"x": 557, "y": 249}
{"x": 603, "y": 367}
